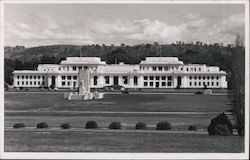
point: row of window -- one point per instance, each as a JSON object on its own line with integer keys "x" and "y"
{"x": 30, "y": 77}
{"x": 69, "y": 77}
{"x": 203, "y": 77}
{"x": 30, "y": 83}
{"x": 75, "y": 68}
{"x": 157, "y": 77}
{"x": 203, "y": 84}
{"x": 157, "y": 84}
{"x": 69, "y": 83}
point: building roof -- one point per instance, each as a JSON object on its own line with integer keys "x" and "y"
{"x": 162, "y": 60}
{"x": 83, "y": 60}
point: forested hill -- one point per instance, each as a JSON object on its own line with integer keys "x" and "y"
{"x": 20, "y": 57}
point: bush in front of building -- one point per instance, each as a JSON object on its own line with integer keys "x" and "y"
{"x": 115, "y": 125}
{"x": 140, "y": 125}
{"x": 192, "y": 128}
{"x": 65, "y": 126}
{"x": 164, "y": 125}
{"x": 42, "y": 125}
{"x": 91, "y": 125}
{"x": 220, "y": 125}
{"x": 19, "y": 125}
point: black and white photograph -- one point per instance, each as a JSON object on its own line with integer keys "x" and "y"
{"x": 130, "y": 80}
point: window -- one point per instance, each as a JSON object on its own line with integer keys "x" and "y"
{"x": 187, "y": 69}
{"x": 18, "y": 83}
{"x": 217, "y": 83}
{"x": 169, "y": 84}
{"x": 145, "y": 83}
{"x": 106, "y": 79}
{"x": 199, "y": 83}
{"x": 151, "y": 78}
{"x": 212, "y": 77}
{"x": 18, "y": 77}
{"x": 22, "y": 83}
{"x": 208, "y": 77}
{"x": 95, "y": 80}
{"x": 43, "y": 83}
{"x": 67, "y": 68}
{"x": 190, "y": 77}
{"x": 26, "y": 82}
{"x": 38, "y": 82}
{"x": 22, "y": 77}
{"x": 157, "y": 78}
{"x": 195, "y": 83}
{"x": 160, "y": 68}
{"x": 199, "y": 69}
{"x": 151, "y": 83}
{"x": 43, "y": 77}
{"x": 166, "y": 68}
{"x": 125, "y": 79}
{"x": 63, "y": 77}
{"x": 204, "y": 77}
{"x": 190, "y": 83}
{"x": 75, "y": 77}
{"x": 69, "y": 77}
{"x": 163, "y": 83}
{"x": 208, "y": 83}
{"x": 145, "y": 78}
{"x": 217, "y": 77}
{"x": 63, "y": 83}
{"x": 135, "y": 80}
{"x": 26, "y": 77}
{"x": 59, "y": 68}
{"x": 35, "y": 83}
{"x": 80, "y": 67}
{"x": 154, "y": 68}
{"x": 38, "y": 77}
{"x": 195, "y": 69}
{"x": 30, "y": 82}
{"x": 74, "y": 68}
{"x": 169, "y": 78}
{"x": 163, "y": 77}
{"x": 85, "y": 67}
{"x": 34, "y": 77}
{"x": 195, "y": 77}
{"x": 199, "y": 77}
{"x": 68, "y": 83}
{"x": 212, "y": 83}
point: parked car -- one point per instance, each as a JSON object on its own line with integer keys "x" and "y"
{"x": 114, "y": 88}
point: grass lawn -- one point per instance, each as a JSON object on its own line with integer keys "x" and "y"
{"x": 117, "y": 103}
{"x": 32, "y": 108}
{"x": 70, "y": 141}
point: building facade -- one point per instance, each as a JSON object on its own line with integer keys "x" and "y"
{"x": 154, "y": 72}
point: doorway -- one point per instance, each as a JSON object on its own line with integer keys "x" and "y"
{"x": 179, "y": 82}
{"x": 116, "y": 80}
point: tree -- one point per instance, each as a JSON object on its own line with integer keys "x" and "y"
{"x": 237, "y": 81}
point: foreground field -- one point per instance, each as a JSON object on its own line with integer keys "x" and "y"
{"x": 181, "y": 110}
{"x": 89, "y": 141}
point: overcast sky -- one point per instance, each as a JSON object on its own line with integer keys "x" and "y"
{"x": 49, "y": 24}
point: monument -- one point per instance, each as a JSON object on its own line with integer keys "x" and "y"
{"x": 84, "y": 88}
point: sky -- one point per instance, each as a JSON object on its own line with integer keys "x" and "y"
{"x": 82, "y": 24}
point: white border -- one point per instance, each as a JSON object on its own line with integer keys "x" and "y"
{"x": 68, "y": 155}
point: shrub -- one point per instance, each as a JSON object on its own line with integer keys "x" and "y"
{"x": 18, "y": 125}
{"x": 164, "y": 125}
{"x": 140, "y": 125}
{"x": 65, "y": 126}
{"x": 220, "y": 125}
{"x": 91, "y": 124}
{"x": 192, "y": 128}
{"x": 42, "y": 125}
{"x": 115, "y": 125}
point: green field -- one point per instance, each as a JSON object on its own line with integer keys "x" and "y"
{"x": 180, "y": 110}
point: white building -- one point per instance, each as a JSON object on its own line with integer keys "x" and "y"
{"x": 154, "y": 72}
